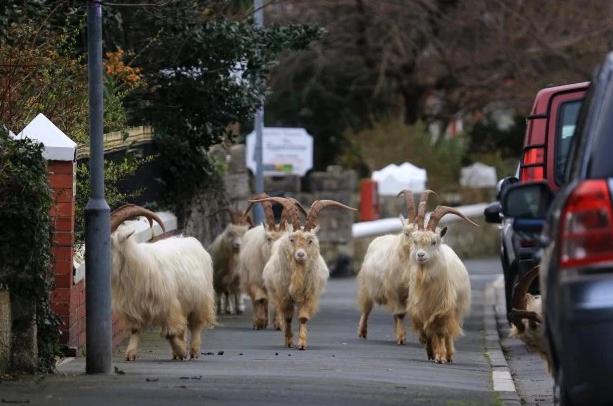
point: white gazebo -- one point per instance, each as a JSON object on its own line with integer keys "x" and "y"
{"x": 478, "y": 175}
{"x": 393, "y": 178}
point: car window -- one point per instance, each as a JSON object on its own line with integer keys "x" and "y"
{"x": 567, "y": 121}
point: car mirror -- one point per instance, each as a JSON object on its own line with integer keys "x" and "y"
{"x": 503, "y": 184}
{"x": 527, "y": 200}
{"x": 492, "y": 213}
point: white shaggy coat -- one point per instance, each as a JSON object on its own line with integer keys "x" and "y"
{"x": 168, "y": 284}
{"x": 384, "y": 279}
{"x": 295, "y": 277}
{"x": 440, "y": 295}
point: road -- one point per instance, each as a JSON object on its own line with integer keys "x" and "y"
{"x": 255, "y": 368}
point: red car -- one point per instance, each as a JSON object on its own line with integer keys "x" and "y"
{"x": 549, "y": 130}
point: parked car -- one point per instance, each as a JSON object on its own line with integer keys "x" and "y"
{"x": 576, "y": 269}
{"x": 549, "y": 132}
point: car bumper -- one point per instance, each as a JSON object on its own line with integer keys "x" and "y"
{"x": 587, "y": 336}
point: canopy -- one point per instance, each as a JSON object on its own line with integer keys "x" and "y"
{"x": 393, "y": 178}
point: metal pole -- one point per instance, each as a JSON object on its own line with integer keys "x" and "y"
{"x": 97, "y": 213}
{"x": 259, "y": 124}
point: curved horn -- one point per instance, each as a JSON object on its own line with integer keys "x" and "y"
{"x": 440, "y": 211}
{"x": 290, "y": 213}
{"x": 518, "y": 301}
{"x": 319, "y": 205}
{"x": 421, "y": 208}
{"x": 410, "y": 203}
{"x": 130, "y": 211}
{"x": 269, "y": 215}
{"x": 298, "y": 206}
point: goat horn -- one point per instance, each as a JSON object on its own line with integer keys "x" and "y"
{"x": 518, "y": 301}
{"x": 268, "y": 213}
{"x": 236, "y": 216}
{"x": 410, "y": 202}
{"x": 438, "y": 214}
{"x": 289, "y": 214}
{"x": 298, "y": 206}
{"x": 319, "y": 205}
{"x": 130, "y": 211}
{"x": 518, "y": 315}
{"x": 421, "y": 208}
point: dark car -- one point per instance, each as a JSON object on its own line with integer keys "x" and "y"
{"x": 549, "y": 131}
{"x": 576, "y": 269}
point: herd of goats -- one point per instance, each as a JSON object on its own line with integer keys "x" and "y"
{"x": 178, "y": 285}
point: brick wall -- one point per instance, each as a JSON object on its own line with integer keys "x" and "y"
{"x": 67, "y": 299}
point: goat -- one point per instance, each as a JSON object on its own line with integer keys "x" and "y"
{"x": 383, "y": 278}
{"x": 296, "y": 274}
{"x": 439, "y": 285}
{"x": 225, "y": 251}
{"x": 257, "y": 244}
{"x": 168, "y": 283}
{"x": 526, "y": 317}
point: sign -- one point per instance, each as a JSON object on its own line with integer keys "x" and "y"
{"x": 286, "y": 151}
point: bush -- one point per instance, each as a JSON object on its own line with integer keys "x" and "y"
{"x": 25, "y": 237}
{"x": 390, "y": 140}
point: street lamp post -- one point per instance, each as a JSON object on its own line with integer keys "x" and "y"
{"x": 259, "y": 124}
{"x": 97, "y": 213}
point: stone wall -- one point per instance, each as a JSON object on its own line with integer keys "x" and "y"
{"x": 231, "y": 189}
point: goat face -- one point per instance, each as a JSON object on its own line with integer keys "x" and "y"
{"x": 407, "y": 236}
{"x": 234, "y": 235}
{"x": 426, "y": 244}
{"x": 303, "y": 245}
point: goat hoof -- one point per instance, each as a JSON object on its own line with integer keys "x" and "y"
{"x": 302, "y": 347}
{"x": 131, "y": 356}
{"x": 401, "y": 341}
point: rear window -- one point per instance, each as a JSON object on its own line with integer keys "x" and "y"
{"x": 569, "y": 112}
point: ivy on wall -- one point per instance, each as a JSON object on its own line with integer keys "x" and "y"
{"x": 26, "y": 237}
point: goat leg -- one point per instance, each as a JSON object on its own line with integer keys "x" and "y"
{"x": 302, "y": 333}
{"x": 133, "y": 345}
{"x": 399, "y": 328}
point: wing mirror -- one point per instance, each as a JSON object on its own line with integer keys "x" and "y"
{"x": 527, "y": 201}
{"x": 493, "y": 213}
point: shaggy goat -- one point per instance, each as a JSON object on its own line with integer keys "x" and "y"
{"x": 168, "y": 283}
{"x": 225, "y": 250}
{"x": 384, "y": 275}
{"x": 526, "y": 316}
{"x": 439, "y": 286}
{"x": 296, "y": 274}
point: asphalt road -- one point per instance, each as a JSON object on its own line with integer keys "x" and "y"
{"x": 255, "y": 368}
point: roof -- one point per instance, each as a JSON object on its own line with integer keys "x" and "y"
{"x": 58, "y": 147}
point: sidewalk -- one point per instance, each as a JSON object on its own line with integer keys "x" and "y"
{"x": 532, "y": 381}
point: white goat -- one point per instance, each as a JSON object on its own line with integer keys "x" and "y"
{"x": 256, "y": 250}
{"x": 296, "y": 274}
{"x": 168, "y": 283}
{"x": 527, "y": 317}
{"x": 440, "y": 287}
{"x": 225, "y": 251}
{"x": 384, "y": 275}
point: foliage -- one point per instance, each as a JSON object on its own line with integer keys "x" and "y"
{"x": 25, "y": 239}
{"x": 390, "y": 140}
{"x": 203, "y": 71}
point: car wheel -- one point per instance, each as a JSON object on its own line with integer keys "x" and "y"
{"x": 560, "y": 395}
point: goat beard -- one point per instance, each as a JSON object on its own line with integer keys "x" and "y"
{"x": 296, "y": 287}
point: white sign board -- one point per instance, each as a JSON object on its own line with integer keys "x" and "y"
{"x": 286, "y": 151}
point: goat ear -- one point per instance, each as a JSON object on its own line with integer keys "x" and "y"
{"x": 403, "y": 220}
{"x": 443, "y": 232}
{"x": 315, "y": 230}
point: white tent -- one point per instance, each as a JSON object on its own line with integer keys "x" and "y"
{"x": 478, "y": 175}
{"x": 393, "y": 178}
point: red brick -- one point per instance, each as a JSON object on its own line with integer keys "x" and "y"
{"x": 60, "y": 167}
{"x": 81, "y": 341}
{"x": 63, "y": 223}
{"x": 64, "y": 239}
{"x": 60, "y": 181}
{"x": 63, "y": 195}
{"x": 61, "y": 308}
{"x": 63, "y": 281}
{"x": 60, "y": 295}
{"x": 81, "y": 312}
{"x": 62, "y": 268}
{"x": 62, "y": 254}
{"x": 62, "y": 210}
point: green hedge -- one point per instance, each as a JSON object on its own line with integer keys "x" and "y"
{"x": 26, "y": 236}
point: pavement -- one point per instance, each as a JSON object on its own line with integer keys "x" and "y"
{"x": 240, "y": 365}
